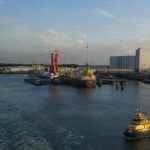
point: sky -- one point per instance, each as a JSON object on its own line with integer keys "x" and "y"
{"x": 30, "y": 29}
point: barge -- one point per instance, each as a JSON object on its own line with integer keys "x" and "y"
{"x": 87, "y": 79}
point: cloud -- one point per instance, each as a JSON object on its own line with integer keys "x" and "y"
{"x": 137, "y": 21}
{"x": 103, "y": 13}
{"x": 144, "y": 39}
{"x": 54, "y": 38}
{"x": 133, "y": 43}
{"x": 15, "y": 36}
{"x": 8, "y": 21}
{"x": 19, "y": 40}
{"x": 58, "y": 39}
{"x": 110, "y": 31}
{"x": 82, "y": 38}
{"x": 128, "y": 50}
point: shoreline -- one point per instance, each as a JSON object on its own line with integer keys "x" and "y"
{"x": 133, "y": 77}
{"x": 22, "y": 72}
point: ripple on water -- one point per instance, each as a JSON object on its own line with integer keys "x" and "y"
{"x": 17, "y": 134}
{"x": 14, "y": 137}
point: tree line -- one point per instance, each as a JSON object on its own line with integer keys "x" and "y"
{"x": 16, "y": 65}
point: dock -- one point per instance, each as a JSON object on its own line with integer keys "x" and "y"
{"x": 110, "y": 81}
{"x": 37, "y": 81}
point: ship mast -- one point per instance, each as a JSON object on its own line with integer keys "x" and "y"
{"x": 87, "y": 53}
{"x": 87, "y": 67}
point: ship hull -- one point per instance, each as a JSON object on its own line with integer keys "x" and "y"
{"x": 137, "y": 134}
{"x": 37, "y": 74}
{"x": 78, "y": 82}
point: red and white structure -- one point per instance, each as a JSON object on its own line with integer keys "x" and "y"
{"x": 54, "y": 63}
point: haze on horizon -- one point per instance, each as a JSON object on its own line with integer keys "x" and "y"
{"x": 31, "y": 28}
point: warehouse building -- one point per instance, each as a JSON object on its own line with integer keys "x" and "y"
{"x": 139, "y": 63}
{"x": 122, "y": 62}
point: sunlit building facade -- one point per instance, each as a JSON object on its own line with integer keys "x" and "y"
{"x": 139, "y": 63}
{"x": 143, "y": 60}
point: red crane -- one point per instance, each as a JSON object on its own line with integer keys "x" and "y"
{"x": 55, "y": 62}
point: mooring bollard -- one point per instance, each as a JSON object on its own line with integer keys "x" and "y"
{"x": 117, "y": 85}
{"x": 100, "y": 83}
{"x": 122, "y": 85}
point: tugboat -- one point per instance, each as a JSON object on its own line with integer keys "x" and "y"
{"x": 139, "y": 127}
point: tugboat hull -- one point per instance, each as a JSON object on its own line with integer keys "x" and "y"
{"x": 137, "y": 134}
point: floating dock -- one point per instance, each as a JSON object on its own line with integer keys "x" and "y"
{"x": 110, "y": 81}
{"x": 38, "y": 82}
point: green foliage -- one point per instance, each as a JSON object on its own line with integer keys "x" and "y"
{"x": 13, "y": 65}
{"x": 16, "y": 65}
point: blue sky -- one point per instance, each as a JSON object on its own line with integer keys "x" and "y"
{"x": 30, "y": 28}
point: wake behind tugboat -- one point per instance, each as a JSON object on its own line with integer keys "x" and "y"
{"x": 139, "y": 127}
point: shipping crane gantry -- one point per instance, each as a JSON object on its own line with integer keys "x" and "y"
{"x": 54, "y": 63}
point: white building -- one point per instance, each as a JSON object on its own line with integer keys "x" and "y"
{"x": 20, "y": 68}
{"x": 143, "y": 60}
{"x": 139, "y": 63}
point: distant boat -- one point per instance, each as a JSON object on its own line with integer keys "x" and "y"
{"x": 146, "y": 81}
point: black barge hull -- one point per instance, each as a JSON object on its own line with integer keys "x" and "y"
{"x": 78, "y": 82}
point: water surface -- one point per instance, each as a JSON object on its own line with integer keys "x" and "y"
{"x": 68, "y": 118}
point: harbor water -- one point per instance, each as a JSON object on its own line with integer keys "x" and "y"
{"x": 68, "y": 118}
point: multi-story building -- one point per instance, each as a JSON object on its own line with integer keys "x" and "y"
{"x": 122, "y": 62}
{"x": 143, "y": 60}
{"x": 139, "y": 63}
